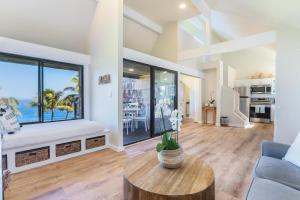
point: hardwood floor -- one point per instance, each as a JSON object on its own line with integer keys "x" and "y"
{"x": 231, "y": 152}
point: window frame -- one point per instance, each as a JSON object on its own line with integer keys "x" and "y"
{"x": 41, "y": 62}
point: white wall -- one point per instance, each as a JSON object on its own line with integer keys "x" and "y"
{"x": 287, "y": 86}
{"x": 60, "y": 24}
{"x": 138, "y": 37}
{"x": 231, "y": 76}
{"x": 209, "y": 84}
{"x": 252, "y": 61}
{"x": 106, "y": 49}
{"x": 166, "y": 46}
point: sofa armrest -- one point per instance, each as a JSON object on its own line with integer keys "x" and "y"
{"x": 273, "y": 149}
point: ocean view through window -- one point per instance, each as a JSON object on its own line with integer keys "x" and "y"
{"x": 41, "y": 91}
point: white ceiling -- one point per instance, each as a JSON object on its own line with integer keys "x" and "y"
{"x": 56, "y": 23}
{"x": 270, "y": 13}
{"x": 163, "y": 11}
{"x": 229, "y": 26}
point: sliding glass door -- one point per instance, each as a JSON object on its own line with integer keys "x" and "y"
{"x": 165, "y": 99}
{"x": 149, "y": 97}
{"x": 136, "y": 102}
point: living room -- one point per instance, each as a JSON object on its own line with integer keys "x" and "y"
{"x": 106, "y": 99}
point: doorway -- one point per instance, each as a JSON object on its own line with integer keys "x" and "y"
{"x": 190, "y": 101}
{"x": 149, "y": 97}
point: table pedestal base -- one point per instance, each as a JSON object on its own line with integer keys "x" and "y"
{"x": 134, "y": 193}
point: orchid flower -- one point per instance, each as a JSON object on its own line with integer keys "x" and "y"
{"x": 176, "y": 120}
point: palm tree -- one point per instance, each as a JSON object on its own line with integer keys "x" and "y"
{"x": 67, "y": 104}
{"x": 51, "y": 101}
{"x": 12, "y": 102}
{"x": 75, "y": 88}
{"x": 74, "y": 97}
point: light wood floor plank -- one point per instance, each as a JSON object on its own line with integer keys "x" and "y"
{"x": 231, "y": 152}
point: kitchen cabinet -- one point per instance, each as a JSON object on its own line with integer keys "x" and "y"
{"x": 249, "y": 82}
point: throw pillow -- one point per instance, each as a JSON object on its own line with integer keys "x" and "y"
{"x": 293, "y": 154}
{"x": 8, "y": 119}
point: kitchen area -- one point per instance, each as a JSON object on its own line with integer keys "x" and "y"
{"x": 257, "y": 99}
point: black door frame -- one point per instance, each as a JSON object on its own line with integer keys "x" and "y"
{"x": 152, "y": 94}
{"x": 153, "y": 100}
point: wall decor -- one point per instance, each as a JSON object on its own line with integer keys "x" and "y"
{"x": 105, "y": 79}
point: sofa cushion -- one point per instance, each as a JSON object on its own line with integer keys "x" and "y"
{"x": 293, "y": 154}
{"x": 279, "y": 171}
{"x": 49, "y": 132}
{"x": 263, "y": 189}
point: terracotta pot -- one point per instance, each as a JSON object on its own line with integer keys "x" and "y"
{"x": 171, "y": 159}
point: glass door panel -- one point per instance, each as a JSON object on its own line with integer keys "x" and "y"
{"x": 136, "y": 102}
{"x": 165, "y": 99}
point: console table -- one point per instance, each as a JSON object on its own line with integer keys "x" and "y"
{"x": 206, "y": 110}
{"x": 145, "y": 178}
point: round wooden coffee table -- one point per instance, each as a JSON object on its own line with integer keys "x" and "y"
{"x": 146, "y": 179}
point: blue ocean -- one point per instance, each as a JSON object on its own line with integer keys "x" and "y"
{"x": 30, "y": 114}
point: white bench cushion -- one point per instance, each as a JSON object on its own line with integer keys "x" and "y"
{"x": 49, "y": 132}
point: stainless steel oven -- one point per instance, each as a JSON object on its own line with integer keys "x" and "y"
{"x": 261, "y": 89}
{"x": 260, "y": 110}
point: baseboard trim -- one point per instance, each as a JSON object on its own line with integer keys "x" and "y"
{"x": 236, "y": 125}
{"x": 116, "y": 148}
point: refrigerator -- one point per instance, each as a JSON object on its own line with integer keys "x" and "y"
{"x": 244, "y": 100}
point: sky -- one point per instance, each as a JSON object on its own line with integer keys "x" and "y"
{"x": 21, "y": 81}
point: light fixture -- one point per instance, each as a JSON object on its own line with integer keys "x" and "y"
{"x": 182, "y": 6}
{"x": 131, "y": 69}
{"x": 165, "y": 72}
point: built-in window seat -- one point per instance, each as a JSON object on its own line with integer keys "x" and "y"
{"x": 40, "y": 144}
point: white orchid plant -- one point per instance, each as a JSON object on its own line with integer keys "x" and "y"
{"x": 170, "y": 138}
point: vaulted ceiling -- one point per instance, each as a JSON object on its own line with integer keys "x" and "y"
{"x": 65, "y": 23}
{"x": 228, "y": 26}
{"x": 163, "y": 11}
{"x": 265, "y": 12}
{"x": 62, "y": 24}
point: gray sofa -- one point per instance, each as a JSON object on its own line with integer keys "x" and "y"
{"x": 274, "y": 178}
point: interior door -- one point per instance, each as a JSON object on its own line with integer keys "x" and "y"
{"x": 164, "y": 99}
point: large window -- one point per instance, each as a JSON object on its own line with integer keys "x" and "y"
{"x": 41, "y": 91}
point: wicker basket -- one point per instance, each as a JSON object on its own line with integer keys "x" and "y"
{"x": 95, "y": 142}
{"x": 32, "y": 156}
{"x": 68, "y": 148}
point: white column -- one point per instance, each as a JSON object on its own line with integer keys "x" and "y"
{"x": 106, "y": 50}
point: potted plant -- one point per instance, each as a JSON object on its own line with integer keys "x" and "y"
{"x": 170, "y": 153}
{"x": 211, "y": 100}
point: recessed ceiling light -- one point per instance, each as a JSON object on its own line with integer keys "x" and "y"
{"x": 131, "y": 70}
{"x": 182, "y": 6}
{"x": 165, "y": 72}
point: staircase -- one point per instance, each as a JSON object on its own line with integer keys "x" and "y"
{"x": 230, "y": 108}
